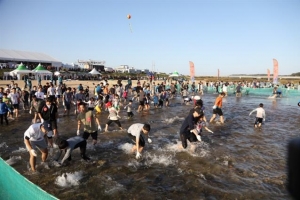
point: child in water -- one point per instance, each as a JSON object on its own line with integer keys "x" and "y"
{"x": 260, "y": 115}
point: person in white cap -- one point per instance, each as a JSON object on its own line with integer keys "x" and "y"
{"x": 34, "y": 139}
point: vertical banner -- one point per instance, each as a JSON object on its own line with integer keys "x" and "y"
{"x": 218, "y": 74}
{"x": 268, "y": 72}
{"x": 275, "y": 71}
{"x": 192, "y": 71}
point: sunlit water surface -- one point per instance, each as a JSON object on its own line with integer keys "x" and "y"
{"x": 236, "y": 162}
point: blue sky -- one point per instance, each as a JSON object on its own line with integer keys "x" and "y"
{"x": 235, "y": 36}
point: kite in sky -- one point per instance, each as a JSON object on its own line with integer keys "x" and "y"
{"x": 129, "y": 17}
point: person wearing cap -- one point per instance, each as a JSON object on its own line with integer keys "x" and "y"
{"x": 217, "y": 108}
{"x": 112, "y": 117}
{"x": 69, "y": 145}
{"x": 34, "y": 139}
{"x": 134, "y": 133}
{"x": 188, "y": 130}
{"x": 90, "y": 122}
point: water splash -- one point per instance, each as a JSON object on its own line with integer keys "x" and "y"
{"x": 126, "y": 148}
{"x": 163, "y": 159}
{"x": 69, "y": 179}
{"x": 20, "y": 150}
{"x": 3, "y": 145}
{"x": 13, "y": 160}
{"x": 171, "y": 120}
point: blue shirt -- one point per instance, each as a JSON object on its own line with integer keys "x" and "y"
{"x": 3, "y": 108}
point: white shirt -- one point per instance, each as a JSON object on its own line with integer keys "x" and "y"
{"x": 135, "y": 129}
{"x": 34, "y": 132}
{"x": 51, "y": 91}
{"x": 112, "y": 113}
{"x": 39, "y": 95}
{"x": 260, "y": 112}
{"x": 14, "y": 98}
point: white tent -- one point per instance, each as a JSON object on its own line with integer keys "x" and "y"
{"x": 94, "y": 72}
{"x": 21, "y": 70}
{"x": 175, "y": 74}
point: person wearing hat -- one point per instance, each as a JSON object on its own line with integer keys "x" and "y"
{"x": 34, "y": 139}
{"x": 188, "y": 130}
{"x": 112, "y": 117}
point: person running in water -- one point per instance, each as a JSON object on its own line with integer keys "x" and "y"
{"x": 134, "y": 132}
{"x": 260, "y": 115}
{"x": 188, "y": 130}
{"x": 90, "y": 123}
{"x": 217, "y": 108}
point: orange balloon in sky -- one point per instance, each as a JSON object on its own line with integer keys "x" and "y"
{"x": 128, "y": 16}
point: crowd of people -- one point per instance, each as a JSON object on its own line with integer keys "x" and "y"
{"x": 46, "y": 102}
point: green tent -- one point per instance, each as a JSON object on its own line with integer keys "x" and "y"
{"x": 20, "y": 70}
{"x": 41, "y": 70}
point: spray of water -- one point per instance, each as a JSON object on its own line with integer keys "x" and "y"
{"x": 69, "y": 179}
{"x": 3, "y": 145}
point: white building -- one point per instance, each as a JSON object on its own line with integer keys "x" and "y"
{"x": 125, "y": 69}
{"x": 70, "y": 66}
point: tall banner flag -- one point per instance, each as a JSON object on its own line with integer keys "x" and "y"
{"x": 268, "y": 74}
{"x": 275, "y": 71}
{"x": 218, "y": 74}
{"x": 192, "y": 71}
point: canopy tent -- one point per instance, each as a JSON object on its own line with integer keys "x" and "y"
{"x": 20, "y": 70}
{"x": 175, "y": 74}
{"x": 94, "y": 72}
{"x": 41, "y": 70}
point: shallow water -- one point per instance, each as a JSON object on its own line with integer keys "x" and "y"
{"x": 236, "y": 162}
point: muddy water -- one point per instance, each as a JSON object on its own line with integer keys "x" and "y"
{"x": 236, "y": 162}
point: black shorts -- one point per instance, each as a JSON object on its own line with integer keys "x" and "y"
{"x": 116, "y": 121}
{"x": 141, "y": 140}
{"x": 187, "y": 136}
{"x": 86, "y": 135}
{"x": 15, "y": 106}
{"x": 53, "y": 124}
{"x": 129, "y": 114}
{"x": 67, "y": 105}
{"x": 218, "y": 111}
{"x": 258, "y": 120}
{"x": 142, "y": 103}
